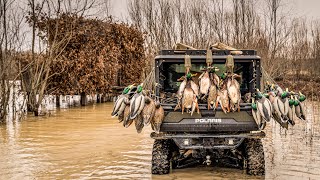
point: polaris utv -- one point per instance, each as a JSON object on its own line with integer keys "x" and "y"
{"x": 210, "y": 137}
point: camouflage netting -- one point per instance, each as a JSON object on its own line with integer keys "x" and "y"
{"x": 95, "y": 54}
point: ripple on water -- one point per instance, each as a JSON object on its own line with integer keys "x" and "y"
{"x": 85, "y": 143}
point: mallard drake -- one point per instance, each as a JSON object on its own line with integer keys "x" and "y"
{"x": 257, "y": 116}
{"x": 180, "y": 92}
{"x": 188, "y": 97}
{"x": 204, "y": 84}
{"x": 234, "y": 93}
{"x": 223, "y": 99}
{"x": 212, "y": 97}
{"x": 158, "y": 117}
{"x": 302, "y": 97}
{"x": 122, "y": 99}
{"x": 299, "y": 109}
{"x": 291, "y": 111}
{"x": 213, "y": 76}
{"x": 274, "y": 99}
{"x": 148, "y": 110}
{"x": 264, "y": 106}
{"x": 137, "y": 102}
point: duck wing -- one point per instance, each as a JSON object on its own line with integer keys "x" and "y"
{"x": 148, "y": 112}
{"x": 157, "y": 120}
{"x": 138, "y": 121}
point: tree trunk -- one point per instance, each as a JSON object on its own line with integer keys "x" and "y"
{"x": 98, "y": 98}
{"x": 83, "y": 99}
{"x": 57, "y": 100}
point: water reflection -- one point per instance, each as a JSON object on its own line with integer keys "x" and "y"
{"x": 85, "y": 143}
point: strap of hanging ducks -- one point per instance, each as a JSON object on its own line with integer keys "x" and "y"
{"x": 187, "y": 63}
{"x": 209, "y": 59}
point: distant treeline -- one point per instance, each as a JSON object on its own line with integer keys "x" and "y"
{"x": 288, "y": 46}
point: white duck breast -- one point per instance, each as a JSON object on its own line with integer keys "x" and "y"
{"x": 117, "y": 105}
{"x": 136, "y": 105}
{"x": 181, "y": 88}
{"x": 282, "y": 109}
{"x": 187, "y": 99}
{"x": 204, "y": 83}
{"x": 123, "y": 105}
{"x": 265, "y": 108}
{"x": 194, "y": 87}
{"x": 233, "y": 91}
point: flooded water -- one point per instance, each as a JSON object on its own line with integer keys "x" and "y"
{"x": 86, "y": 143}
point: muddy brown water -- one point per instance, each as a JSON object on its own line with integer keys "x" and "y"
{"x": 86, "y": 143}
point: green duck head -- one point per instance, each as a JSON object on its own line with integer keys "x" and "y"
{"x": 127, "y": 89}
{"x": 253, "y": 104}
{"x": 189, "y": 76}
{"x": 296, "y": 101}
{"x": 258, "y": 94}
{"x": 291, "y": 101}
{"x": 302, "y": 97}
{"x": 285, "y": 94}
{"x": 223, "y": 76}
{"x": 140, "y": 88}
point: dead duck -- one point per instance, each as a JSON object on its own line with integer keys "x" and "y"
{"x": 257, "y": 116}
{"x": 274, "y": 99}
{"x": 291, "y": 111}
{"x": 264, "y": 106}
{"x": 156, "y": 121}
{"x": 281, "y": 107}
{"x": 212, "y": 96}
{"x": 299, "y": 109}
{"x": 188, "y": 98}
{"x": 122, "y": 99}
{"x": 223, "y": 99}
{"x": 213, "y": 76}
{"x": 137, "y": 102}
{"x": 233, "y": 88}
{"x": 204, "y": 84}
{"x": 148, "y": 110}
{"x": 187, "y": 79}
{"x": 180, "y": 91}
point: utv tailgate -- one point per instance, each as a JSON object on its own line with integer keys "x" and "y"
{"x": 209, "y": 121}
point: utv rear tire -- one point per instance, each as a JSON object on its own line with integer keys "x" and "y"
{"x": 255, "y": 157}
{"x": 161, "y": 156}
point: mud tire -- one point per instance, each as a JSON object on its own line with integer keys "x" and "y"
{"x": 161, "y": 156}
{"x": 255, "y": 157}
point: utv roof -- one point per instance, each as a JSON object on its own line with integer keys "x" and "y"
{"x": 200, "y": 55}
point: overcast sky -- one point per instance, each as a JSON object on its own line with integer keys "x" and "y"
{"x": 300, "y": 8}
